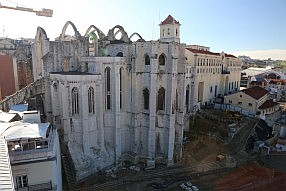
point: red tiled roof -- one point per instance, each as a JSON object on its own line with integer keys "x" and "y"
{"x": 208, "y": 52}
{"x": 169, "y": 20}
{"x": 268, "y": 104}
{"x": 230, "y": 55}
{"x": 256, "y": 92}
{"x": 275, "y": 81}
{"x": 202, "y": 51}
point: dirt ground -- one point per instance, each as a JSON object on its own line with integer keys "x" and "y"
{"x": 252, "y": 177}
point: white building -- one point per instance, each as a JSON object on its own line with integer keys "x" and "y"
{"x": 33, "y": 154}
{"x": 210, "y": 75}
{"x": 118, "y": 100}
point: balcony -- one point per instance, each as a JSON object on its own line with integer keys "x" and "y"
{"x": 47, "y": 186}
{"x": 34, "y": 149}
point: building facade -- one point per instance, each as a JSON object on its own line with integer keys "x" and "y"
{"x": 34, "y": 155}
{"x": 15, "y": 65}
{"x": 119, "y": 100}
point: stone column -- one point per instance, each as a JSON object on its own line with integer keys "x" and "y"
{"x": 152, "y": 103}
{"x": 171, "y": 96}
{"x": 100, "y": 99}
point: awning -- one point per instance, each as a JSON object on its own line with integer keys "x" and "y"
{"x": 19, "y": 130}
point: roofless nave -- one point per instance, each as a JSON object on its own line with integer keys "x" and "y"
{"x": 118, "y": 100}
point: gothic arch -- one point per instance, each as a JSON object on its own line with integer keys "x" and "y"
{"x": 124, "y": 36}
{"x": 41, "y": 33}
{"x": 41, "y": 40}
{"x": 100, "y": 34}
{"x": 162, "y": 59}
{"x": 77, "y": 34}
{"x": 140, "y": 38}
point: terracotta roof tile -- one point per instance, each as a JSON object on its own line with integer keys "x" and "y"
{"x": 230, "y": 55}
{"x": 256, "y": 92}
{"x": 203, "y": 52}
{"x": 275, "y": 81}
{"x": 169, "y": 20}
{"x": 268, "y": 104}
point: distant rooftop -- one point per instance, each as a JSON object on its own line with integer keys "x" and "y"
{"x": 256, "y": 92}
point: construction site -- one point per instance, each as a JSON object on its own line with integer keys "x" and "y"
{"x": 213, "y": 159}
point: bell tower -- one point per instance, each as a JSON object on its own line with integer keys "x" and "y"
{"x": 170, "y": 30}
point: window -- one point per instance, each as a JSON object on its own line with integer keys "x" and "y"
{"x": 163, "y": 32}
{"x": 120, "y": 87}
{"x": 177, "y": 102}
{"x": 75, "y": 101}
{"x": 162, "y": 59}
{"x": 107, "y": 89}
{"x": 229, "y": 101}
{"x": 66, "y": 64}
{"x": 22, "y": 181}
{"x": 250, "y": 104}
{"x": 119, "y": 54}
{"x": 161, "y": 99}
{"x": 211, "y": 90}
{"x": 187, "y": 98}
{"x": 239, "y": 103}
{"x": 176, "y": 32}
{"x": 168, "y": 31}
{"x": 90, "y": 100}
{"x": 146, "y": 98}
{"x": 147, "y": 60}
{"x": 240, "y": 95}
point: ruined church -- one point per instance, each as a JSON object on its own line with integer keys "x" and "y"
{"x": 120, "y": 100}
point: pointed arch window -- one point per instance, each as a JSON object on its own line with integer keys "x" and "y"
{"x": 75, "y": 101}
{"x": 177, "y": 101}
{"x": 161, "y": 99}
{"x": 187, "y": 98}
{"x": 162, "y": 60}
{"x": 90, "y": 100}
{"x": 120, "y": 86}
{"x": 107, "y": 89}
{"x": 147, "y": 60}
{"x": 119, "y": 54}
{"x": 146, "y": 98}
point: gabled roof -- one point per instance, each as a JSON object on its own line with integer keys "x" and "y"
{"x": 169, "y": 20}
{"x": 256, "y": 92}
{"x": 268, "y": 104}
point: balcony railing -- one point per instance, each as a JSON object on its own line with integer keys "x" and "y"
{"x": 46, "y": 186}
{"x": 33, "y": 150}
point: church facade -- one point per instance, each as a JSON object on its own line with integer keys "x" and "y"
{"x": 118, "y": 100}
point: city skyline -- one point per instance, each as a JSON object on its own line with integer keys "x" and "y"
{"x": 253, "y": 28}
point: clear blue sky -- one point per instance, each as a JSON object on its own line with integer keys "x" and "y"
{"x": 223, "y": 25}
